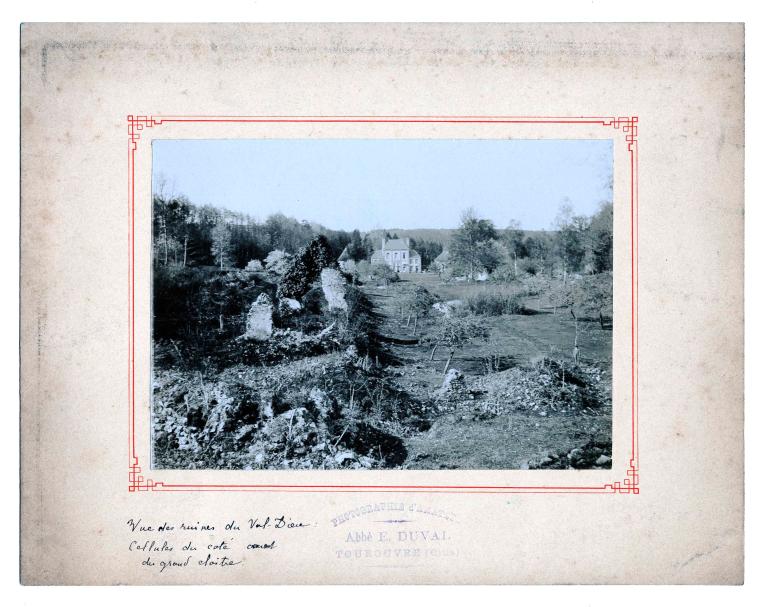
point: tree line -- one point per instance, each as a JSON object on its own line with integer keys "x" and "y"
{"x": 189, "y": 235}
{"x": 576, "y": 243}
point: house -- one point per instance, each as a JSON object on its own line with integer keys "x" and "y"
{"x": 441, "y": 262}
{"x": 397, "y": 254}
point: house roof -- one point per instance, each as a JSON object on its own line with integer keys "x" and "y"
{"x": 444, "y": 256}
{"x": 396, "y": 244}
{"x": 377, "y": 255}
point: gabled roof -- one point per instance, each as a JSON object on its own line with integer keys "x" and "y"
{"x": 444, "y": 256}
{"x": 396, "y": 244}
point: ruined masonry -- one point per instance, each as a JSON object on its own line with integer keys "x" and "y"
{"x": 334, "y": 288}
{"x": 259, "y": 322}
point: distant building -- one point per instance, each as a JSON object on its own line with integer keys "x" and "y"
{"x": 397, "y": 254}
{"x": 442, "y": 261}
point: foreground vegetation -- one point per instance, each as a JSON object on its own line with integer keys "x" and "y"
{"x": 497, "y": 359}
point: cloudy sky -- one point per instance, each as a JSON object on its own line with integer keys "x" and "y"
{"x": 387, "y": 183}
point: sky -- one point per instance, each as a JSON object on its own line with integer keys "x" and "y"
{"x": 372, "y": 184}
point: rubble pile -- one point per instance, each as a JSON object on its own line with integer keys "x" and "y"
{"x": 594, "y": 454}
{"x": 300, "y": 415}
{"x": 549, "y": 387}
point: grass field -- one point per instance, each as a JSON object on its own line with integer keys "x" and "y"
{"x": 520, "y": 338}
{"x": 460, "y": 438}
{"x": 518, "y": 400}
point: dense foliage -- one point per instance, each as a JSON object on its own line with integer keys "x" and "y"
{"x": 306, "y": 267}
{"x": 346, "y": 385}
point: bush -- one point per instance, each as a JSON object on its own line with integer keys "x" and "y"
{"x": 384, "y": 274}
{"x": 254, "y": 265}
{"x": 529, "y": 266}
{"x": 495, "y": 303}
{"x": 196, "y": 310}
{"x": 504, "y": 273}
{"x": 278, "y": 262}
{"x": 534, "y": 285}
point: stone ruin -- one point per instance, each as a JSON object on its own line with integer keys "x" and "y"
{"x": 259, "y": 325}
{"x": 334, "y": 289}
{"x": 453, "y": 381}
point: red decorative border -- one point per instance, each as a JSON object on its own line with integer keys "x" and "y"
{"x": 628, "y": 485}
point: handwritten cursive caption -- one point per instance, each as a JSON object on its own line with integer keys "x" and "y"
{"x": 172, "y": 545}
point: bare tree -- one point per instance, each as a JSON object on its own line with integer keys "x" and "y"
{"x": 222, "y": 243}
{"x": 417, "y": 303}
{"x": 454, "y": 332}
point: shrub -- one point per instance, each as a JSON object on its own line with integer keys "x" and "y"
{"x": 529, "y": 266}
{"x": 363, "y": 270}
{"x": 504, "y": 273}
{"x": 495, "y": 303}
{"x": 534, "y": 285}
{"x": 195, "y": 311}
{"x": 384, "y": 274}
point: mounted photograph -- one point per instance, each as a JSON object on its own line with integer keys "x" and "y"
{"x": 326, "y": 304}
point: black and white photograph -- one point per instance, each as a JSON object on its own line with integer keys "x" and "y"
{"x": 374, "y": 304}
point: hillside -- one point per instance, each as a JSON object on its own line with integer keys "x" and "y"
{"x": 442, "y": 236}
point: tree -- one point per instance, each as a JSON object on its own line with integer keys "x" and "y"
{"x": 471, "y": 246}
{"x": 287, "y": 233}
{"x": 454, "y": 332}
{"x": 363, "y": 270}
{"x": 561, "y": 295}
{"x": 222, "y": 243}
{"x": 356, "y": 248}
{"x": 306, "y": 268}
{"x": 537, "y": 247}
{"x": 427, "y": 249}
{"x": 231, "y": 294}
{"x": 594, "y": 295}
{"x": 514, "y": 239}
{"x": 278, "y": 262}
{"x": 171, "y": 226}
{"x": 418, "y": 303}
{"x": 384, "y": 273}
{"x": 600, "y": 232}
{"x": 570, "y": 239}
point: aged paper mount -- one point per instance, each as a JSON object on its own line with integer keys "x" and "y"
{"x": 92, "y": 93}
